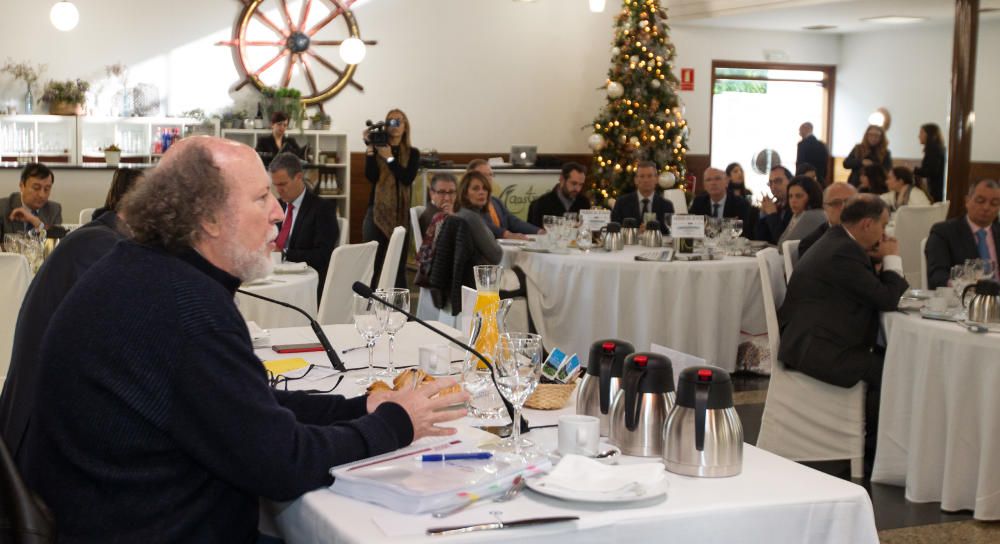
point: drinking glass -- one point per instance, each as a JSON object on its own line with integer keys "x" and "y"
{"x": 549, "y": 223}
{"x": 735, "y": 228}
{"x": 518, "y": 364}
{"x": 648, "y": 216}
{"x": 369, "y": 326}
{"x": 713, "y": 227}
{"x": 392, "y": 320}
{"x": 572, "y": 219}
{"x": 584, "y": 239}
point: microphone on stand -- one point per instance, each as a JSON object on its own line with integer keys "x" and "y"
{"x": 366, "y": 291}
{"x": 323, "y": 340}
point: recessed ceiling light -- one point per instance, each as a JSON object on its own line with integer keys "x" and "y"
{"x": 893, "y": 19}
{"x": 819, "y": 27}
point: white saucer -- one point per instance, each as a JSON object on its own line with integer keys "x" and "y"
{"x": 637, "y": 491}
{"x": 610, "y": 460}
{"x": 290, "y": 268}
{"x": 927, "y": 313}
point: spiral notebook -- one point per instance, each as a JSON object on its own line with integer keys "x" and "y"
{"x": 400, "y": 481}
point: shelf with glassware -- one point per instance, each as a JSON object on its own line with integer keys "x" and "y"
{"x": 141, "y": 139}
{"x": 34, "y": 138}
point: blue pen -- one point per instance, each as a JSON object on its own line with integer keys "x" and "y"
{"x": 456, "y": 456}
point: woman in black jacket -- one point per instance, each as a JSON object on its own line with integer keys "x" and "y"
{"x": 932, "y": 167}
{"x": 268, "y": 147}
{"x": 391, "y": 168}
{"x": 873, "y": 149}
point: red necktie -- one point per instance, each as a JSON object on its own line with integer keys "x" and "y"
{"x": 286, "y": 228}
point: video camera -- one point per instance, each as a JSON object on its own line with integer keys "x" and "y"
{"x": 378, "y": 133}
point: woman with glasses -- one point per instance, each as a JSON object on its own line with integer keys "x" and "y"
{"x": 873, "y": 150}
{"x": 277, "y": 142}
{"x": 391, "y": 168}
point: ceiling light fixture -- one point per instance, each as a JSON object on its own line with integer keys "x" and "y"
{"x": 894, "y": 19}
{"x": 352, "y": 50}
{"x": 597, "y": 6}
{"x": 64, "y": 16}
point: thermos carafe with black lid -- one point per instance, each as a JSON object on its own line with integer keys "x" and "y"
{"x": 600, "y": 383}
{"x": 984, "y": 307}
{"x": 644, "y": 401}
{"x": 630, "y": 231}
{"x": 703, "y": 435}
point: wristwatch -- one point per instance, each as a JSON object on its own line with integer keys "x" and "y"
{"x": 390, "y": 160}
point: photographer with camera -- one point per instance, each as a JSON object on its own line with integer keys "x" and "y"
{"x": 391, "y": 166}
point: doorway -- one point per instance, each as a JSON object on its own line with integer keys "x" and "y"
{"x": 756, "y": 112}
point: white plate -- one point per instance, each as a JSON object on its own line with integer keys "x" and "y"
{"x": 911, "y": 303}
{"x": 611, "y": 460}
{"x": 628, "y": 493}
{"x": 919, "y": 294}
{"x": 513, "y": 242}
{"x": 290, "y": 268}
{"x": 927, "y": 313}
{"x": 534, "y": 249}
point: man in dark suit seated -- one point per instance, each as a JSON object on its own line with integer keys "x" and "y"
{"x": 564, "y": 197}
{"x": 644, "y": 200}
{"x": 775, "y": 213}
{"x": 716, "y": 201}
{"x": 812, "y": 151}
{"x": 830, "y": 318}
{"x": 309, "y": 232}
{"x": 975, "y": 236}
{"x": 30, "y": 208}
{"x": 834, "y": 197}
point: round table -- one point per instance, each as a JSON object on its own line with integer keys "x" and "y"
{"x": 297, "y": 288}
{"x": 696, "y": 307}
{"x": 940, "y": 411}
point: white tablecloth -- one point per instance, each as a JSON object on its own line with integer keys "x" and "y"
{"x": 297, "y": 288}
{"x": 939, "y": 425}
{"x": 695, "y": 307}
{"x": 773, "y": 500}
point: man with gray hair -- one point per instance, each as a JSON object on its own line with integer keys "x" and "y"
{"x": 973, "y": 236}
{"x": 835, "y": 196}
{"x": 157, "y": 422}
{"x": 830, "y": 317}
{"x": 309, "y": 232}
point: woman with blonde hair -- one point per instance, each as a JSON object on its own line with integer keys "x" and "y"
{"x": 873, "y": 149}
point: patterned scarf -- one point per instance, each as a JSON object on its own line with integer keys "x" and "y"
{"x": 392, "y": 199}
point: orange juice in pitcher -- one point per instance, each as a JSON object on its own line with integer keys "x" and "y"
{"x": 488, "y": 306}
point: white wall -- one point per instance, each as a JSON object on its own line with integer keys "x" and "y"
{"x": 908, "y": 71}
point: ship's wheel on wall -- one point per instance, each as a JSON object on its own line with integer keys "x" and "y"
{"x": 306, "y": 43}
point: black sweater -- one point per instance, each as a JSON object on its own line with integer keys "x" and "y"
{"x": 155, "y": 422}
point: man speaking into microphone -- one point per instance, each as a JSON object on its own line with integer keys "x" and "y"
{"x": 155, "y": 421}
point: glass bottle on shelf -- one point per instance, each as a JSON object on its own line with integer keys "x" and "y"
{"x": 258, "y": 121}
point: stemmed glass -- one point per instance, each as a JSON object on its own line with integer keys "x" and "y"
{"x": 735, "y": 228}
{"x": 518, "y": 364}
{"x": 392, "y": 320}
{"x": 369, "y": 326}
{"x": 584, "y": 239}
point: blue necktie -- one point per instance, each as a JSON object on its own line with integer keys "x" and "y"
{"x": 984, "y": 250}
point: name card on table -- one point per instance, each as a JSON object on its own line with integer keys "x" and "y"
{"x": 687, "y": 226}
{"x": 595, "y": 219}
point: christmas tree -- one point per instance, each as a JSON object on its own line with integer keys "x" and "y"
{"x": 642, "y": 119}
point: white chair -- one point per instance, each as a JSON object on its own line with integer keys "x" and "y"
{"x": 344, "y": 234}
{"x": 348, "y": 263}
{"x": 913, "y": 223}
{"x": 387, "y": 279}
{"x": 15, "y": 276}
{"x": 923, "y": 264}
{"x": 805, "y": 419}
{"x": 418, "y": 235}
{"x": 676, "y": 197}
{"x": 790, "y": 251}
{"x": 87, "y": 215}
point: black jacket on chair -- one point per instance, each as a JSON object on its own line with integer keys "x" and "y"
{"x": 454, "y": 255}
{"x": 830, "y": 317}
{"x": 734, "y": 207}
{"x": 628, "y": 205}
{"x": 551, "y": 204}
{"x": 314, "y": 235}
{"x": 951, "y": 242}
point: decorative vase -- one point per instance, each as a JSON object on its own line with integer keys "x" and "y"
{"x": 112, "y": 158}
{"x": 65, "y": 108}
{"x": 29, "y": 101}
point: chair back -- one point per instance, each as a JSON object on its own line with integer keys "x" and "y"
{"x": 387, "y": 279}
{"x": 348, "y": 263}
{"x": 15, "y": 276}
{"x": 790, "y": 251}
{"x": 87, "y": 215}
{"x": 24, "y": 518}
{"x": 923, "y": 264}
{"x": 772, "y": 288}
{"x": 418, "y": 236}
{"x": 344, "y": 234}
{"x": 913, "y": 223}
{"x": 677, "y": 198}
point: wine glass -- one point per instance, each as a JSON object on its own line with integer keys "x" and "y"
{"x": 584, "y": 239}
{"x": 518, "y": 365}
{"x": 392, "y": 320}
{"x": 369, "y": 326}
{"x": 735, "y": 228}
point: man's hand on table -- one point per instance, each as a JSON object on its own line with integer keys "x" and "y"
{"x": 425, "y": 412}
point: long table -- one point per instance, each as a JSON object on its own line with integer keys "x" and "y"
{"x": 773, "y": 500}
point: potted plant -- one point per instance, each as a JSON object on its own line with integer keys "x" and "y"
{"x": 229, "y": 119}
{"x": 284, "y": 99}
{"x": 320, "y": 121}
{"x": 27, "y": 73}
{"x": 112, "y": 155}
{"x": 65, "y": 97}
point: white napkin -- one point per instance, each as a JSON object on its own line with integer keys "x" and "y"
{"x": 579, "y": 473}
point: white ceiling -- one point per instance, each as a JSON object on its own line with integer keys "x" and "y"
{"x": 795, "y": 15}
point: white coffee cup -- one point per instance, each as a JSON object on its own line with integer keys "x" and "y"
{"x": 938, "y": 304}
{"x": 435, "y": 359}
{"x": 579, "y": 435}
{"x": 275, "y": 258}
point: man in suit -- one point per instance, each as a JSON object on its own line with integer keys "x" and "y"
{"x": 812, "y": 151}
{"x": 834, "y": 197}
{"x": 564, "y": 197}
{"x": 30, "y": 208}
{"x": 775, "y": 213}
{"x": 644, "y": 200}
{"x": 716, "y": 201}
{"x": 975, "y": 236}
{"x": 309, "y": 231}
{"x": 830, "y": 317}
